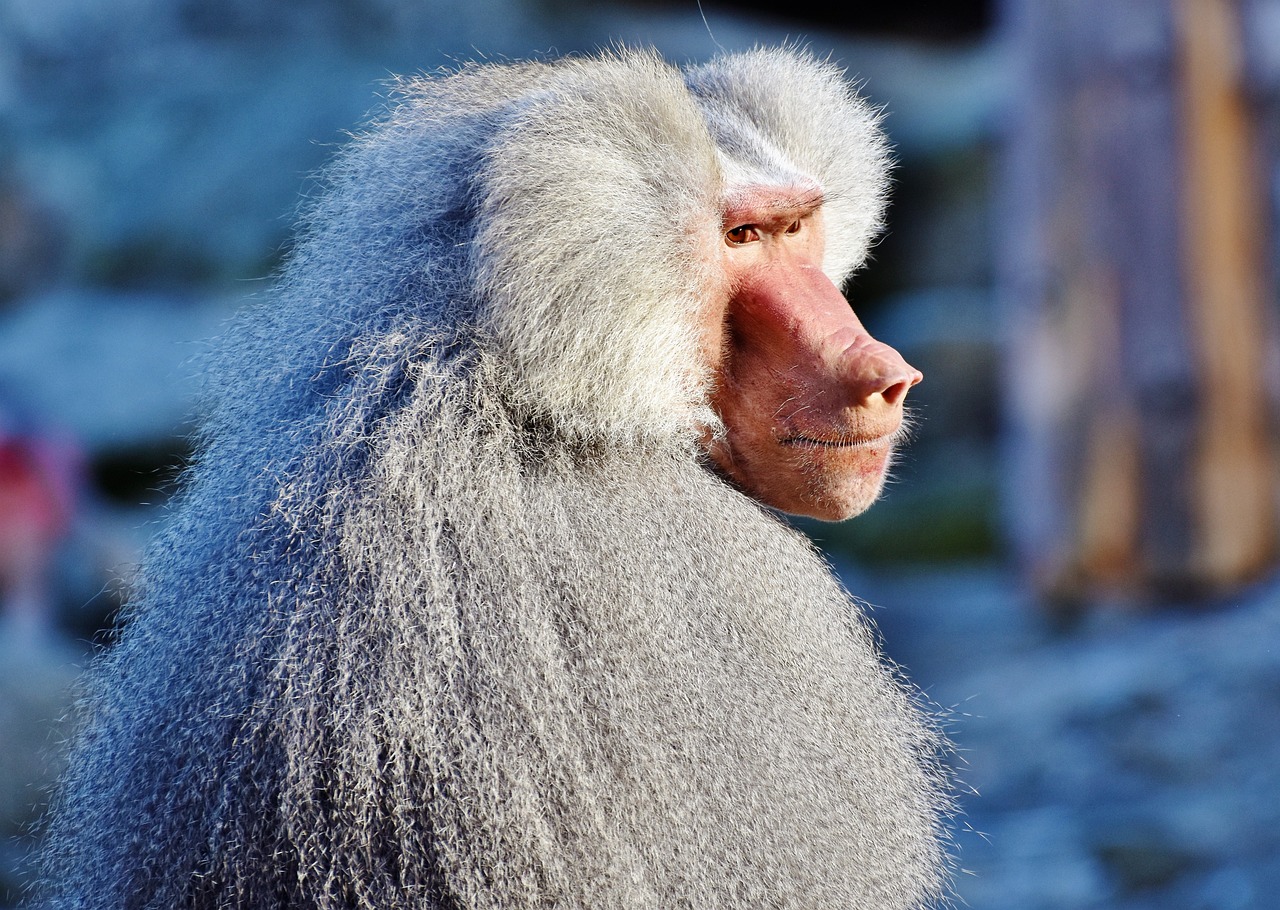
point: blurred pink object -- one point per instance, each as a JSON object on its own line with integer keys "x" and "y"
{"x": 39, "y": 481}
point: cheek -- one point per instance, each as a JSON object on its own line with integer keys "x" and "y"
{"x": 713, "y": 328}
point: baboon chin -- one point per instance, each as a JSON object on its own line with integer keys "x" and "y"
{"x": 475, "y": 596}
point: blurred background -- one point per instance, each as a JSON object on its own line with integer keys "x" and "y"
{"x": 1077, "y": 562}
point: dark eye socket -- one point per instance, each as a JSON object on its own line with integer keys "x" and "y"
{"x": 743, "y": 233}
{"x": 794, "y": 227}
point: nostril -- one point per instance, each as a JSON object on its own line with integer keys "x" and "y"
{"x": 895, "y": 393}
{"x": 896, "y": 388}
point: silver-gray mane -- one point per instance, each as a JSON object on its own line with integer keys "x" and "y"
{"x": 452, "y": 613}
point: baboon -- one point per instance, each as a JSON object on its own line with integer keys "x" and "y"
{"x": 475, "y": 596}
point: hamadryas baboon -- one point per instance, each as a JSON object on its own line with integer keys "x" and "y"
{"x": 474, "y": 597}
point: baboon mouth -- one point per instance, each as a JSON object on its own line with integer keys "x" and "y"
{"x": 846, "y": 442}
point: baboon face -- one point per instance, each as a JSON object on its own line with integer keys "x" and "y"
{"x": 812, "y": 405}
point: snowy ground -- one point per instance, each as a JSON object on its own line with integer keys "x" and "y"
{"x": 1127, "y": 761}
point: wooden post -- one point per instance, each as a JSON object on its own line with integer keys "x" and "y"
{"x": 1224, "y": 237}
{"x": 1141, "y": 435}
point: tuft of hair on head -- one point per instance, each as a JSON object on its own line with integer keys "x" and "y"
{"x": 782, "y": 114}
{"x": 595, "y": 248}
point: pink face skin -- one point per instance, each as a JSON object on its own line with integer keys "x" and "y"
{"x": 812, "y": 404}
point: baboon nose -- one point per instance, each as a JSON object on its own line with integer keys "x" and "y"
{"x": 875, "y": 369}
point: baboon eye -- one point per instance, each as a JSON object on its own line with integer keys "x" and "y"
{"x": 743, "y": 233}
{"x": 794, "y": 227}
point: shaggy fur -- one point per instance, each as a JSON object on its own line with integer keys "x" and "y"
{"x": 452, "y": 613}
